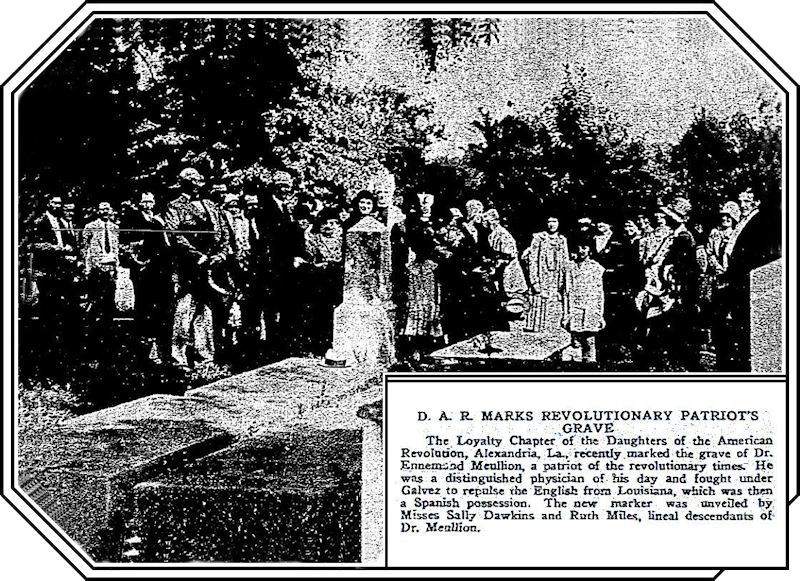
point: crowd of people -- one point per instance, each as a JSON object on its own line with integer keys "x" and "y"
{"x": 658, "y": 292}
{"x": 253, "y": 270}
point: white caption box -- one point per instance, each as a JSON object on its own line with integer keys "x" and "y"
{"x": 542, "y": 416}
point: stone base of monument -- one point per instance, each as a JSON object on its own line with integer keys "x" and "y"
{"x": 288, "y": 497}
{"x": 364, "y": 324}
{"x": 364, "y": 334}
{"x": 84, "y": 476}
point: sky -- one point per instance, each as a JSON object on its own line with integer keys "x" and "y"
{"x": 653, "y": 73}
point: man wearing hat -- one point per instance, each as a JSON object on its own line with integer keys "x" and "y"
{"x": 585, "y": 227}
{"x": 200, "y": 245}
{"x": 283, "y": 247}
{"x": 147, "y": 243}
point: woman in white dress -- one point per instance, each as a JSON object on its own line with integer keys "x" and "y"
{"x": 546, "y": 262}
{"x": 423, "y": 326}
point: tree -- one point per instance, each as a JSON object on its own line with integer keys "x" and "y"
{"x": 440, "y": 39}
{"x": 354, "y": 138}
{"x": 758, "y": 146}
{"x": 226, "y": 82}
{"x": 511, "y": 163}
{"x": 704, "y": 163}
{"x": 75, "y": 124}
{"x": 573, "y": 160}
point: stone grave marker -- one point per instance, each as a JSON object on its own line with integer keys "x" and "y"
{"x": 364, "y": 324}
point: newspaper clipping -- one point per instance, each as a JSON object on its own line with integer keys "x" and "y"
{"x": 393, "y": 289}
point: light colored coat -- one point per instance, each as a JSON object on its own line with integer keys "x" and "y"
{"x": 584, "y": 298}
{"x": 95, "y": 252}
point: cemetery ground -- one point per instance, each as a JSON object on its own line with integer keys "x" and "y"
{"x": 45, "y": 399}
{"x": 287, "y": 433}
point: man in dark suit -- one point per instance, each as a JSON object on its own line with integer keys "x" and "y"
{"x": 282, "y": 248}
{"x": 51, "y": 246}
{"x": 623, "y": 279}
{"x": 248, "y": 267}
{"x": 56, "y": 272}
{"x": 148, "y": 247}
{"x": 200, "y": 245}
{"x": 71, "y": 233}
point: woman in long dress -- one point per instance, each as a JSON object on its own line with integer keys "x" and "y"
{"x": 546, "y": 261}
{"x": 423, "y": 326}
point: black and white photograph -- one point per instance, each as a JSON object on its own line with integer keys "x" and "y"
{"x": 228, "y": 228}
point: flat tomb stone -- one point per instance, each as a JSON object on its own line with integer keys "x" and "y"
{"x": 509, "y": 345}
{"x": 277, "y": 397}
{"x": 84, "y": 476}
{"x": 278, "y": 497}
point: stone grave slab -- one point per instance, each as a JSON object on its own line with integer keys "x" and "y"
{"x": 84, "y": 475}
{"x": 294, "y": 396}
{"x": 372, "y": 484}
{"x": 279, "y": 497}
{"x": 509, "y": 345}
{"x": 277, "y": 397}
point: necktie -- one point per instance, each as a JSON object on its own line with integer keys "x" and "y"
{"x": 106, "y": 239}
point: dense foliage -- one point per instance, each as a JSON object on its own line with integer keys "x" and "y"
{"x": 574, "y": 159}
{"x": 132, "y": 101}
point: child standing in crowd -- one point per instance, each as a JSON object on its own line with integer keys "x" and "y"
{"x": 583, "y": 304}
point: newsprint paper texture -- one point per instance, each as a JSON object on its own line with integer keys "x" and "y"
{"x": 457, "y": 289}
